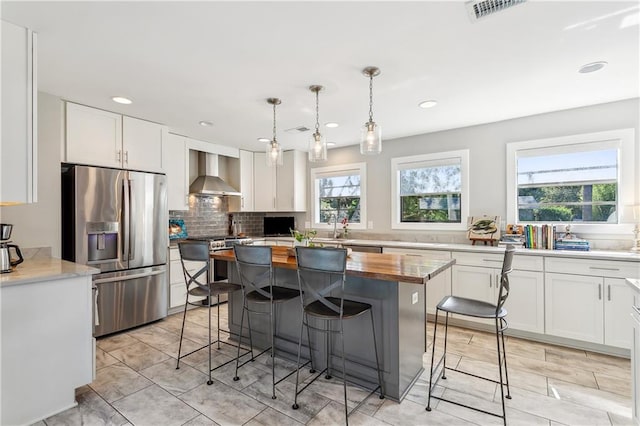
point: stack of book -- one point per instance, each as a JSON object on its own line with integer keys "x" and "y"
{"x": 539, "y": 236}
{"x": 511, "y": 239}
{"x": 572, "y": 244}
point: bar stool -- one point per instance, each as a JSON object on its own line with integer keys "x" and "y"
{"x": 322, "y": 271}
{"x": 477, "y": 309}
{"x": 255, "y": 270}
{"x": 198, "y": 285}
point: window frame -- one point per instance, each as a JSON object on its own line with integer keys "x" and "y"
{"x": 339, "y": 170}
{"x": 396, "y": 166}
{"x": 626, "y": 181}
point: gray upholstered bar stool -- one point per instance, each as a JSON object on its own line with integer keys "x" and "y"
{"x": 478, "y": 309}
{"x": 198, "y": 285}
{"x": 322, "y": 272}
{"x": 255, "y": 269}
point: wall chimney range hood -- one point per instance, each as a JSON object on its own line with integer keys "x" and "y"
{"x": 208, "y": 182}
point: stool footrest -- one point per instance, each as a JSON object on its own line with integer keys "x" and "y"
{"x": 468, "y": 406}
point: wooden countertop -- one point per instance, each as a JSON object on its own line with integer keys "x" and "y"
{"x": 386, "y": 267}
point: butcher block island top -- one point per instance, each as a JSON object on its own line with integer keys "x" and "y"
{"x": 380, "y": 266}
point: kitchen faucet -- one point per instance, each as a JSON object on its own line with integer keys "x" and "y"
{"x": 335, "y": 223}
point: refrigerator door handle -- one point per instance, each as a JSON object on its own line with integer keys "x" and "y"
{"x": 132, "y": 223}
{"x": 128, "y": 277}
{"x": 126, "y": 220}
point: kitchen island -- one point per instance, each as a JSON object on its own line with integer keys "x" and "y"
{"x": 47, "y": 342}
{"x": 393, "y": 284}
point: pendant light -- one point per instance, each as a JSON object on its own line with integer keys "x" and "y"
{"x": 371, "y": 135}
{"x": 317, "y": 143}
{"x": 274, "y": 149}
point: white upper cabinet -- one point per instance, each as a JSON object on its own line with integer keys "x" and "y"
{"x": 174, "y": 150}
{"x": 142, "y": 144}
{"x": 94, "y": 136}
{"x": 19, "y": 147}
{"x": 102, "y": 138}
{"x": 241, "y": 178}
{"x": 284, "y": 188}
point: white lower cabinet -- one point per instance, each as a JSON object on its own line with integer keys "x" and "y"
{"x": 177, "y": 284}
{"x": 635, "y": 357}
{"x": 591, "y": 306}
{"x": 525, "y": 303}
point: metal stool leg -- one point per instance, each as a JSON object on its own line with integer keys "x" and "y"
{"x": 327, "y": 335}
{"x": 218, "y": 308}
{"x": 209, "y": 382}
{"x": 312, "y": 370}
{"x": 504, "y": 410}
{"x": 444, "y": 357}
{"x": 344, "y": 374}
{"x": 184, "y": 318}
{"x": 273, "y": 354}
{"x": 295, "y": 397}
{"x": 504, "y": 357}
{"x": 236, "y": 378}
{"x": 433, "y": 355}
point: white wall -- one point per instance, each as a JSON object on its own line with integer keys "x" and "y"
{"x": 487, "y": 157}
{"x": 38, "y": 224}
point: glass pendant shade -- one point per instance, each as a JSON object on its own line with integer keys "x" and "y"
{"x": 317, "y": 148}
{"x": 371, "y": 139}
{"x": 274, "y": 154}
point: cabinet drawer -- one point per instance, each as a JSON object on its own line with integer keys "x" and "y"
{"x": 528, "y": 263}
{"x": 598, "y": 268}
{"x": 490, "y": 260}
{"x": 428, "y": 254}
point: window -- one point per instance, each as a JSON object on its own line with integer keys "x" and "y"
{"x": 339, "y": 191}
{"x": 430, "y": 191}
{"x": 583, "y": 179}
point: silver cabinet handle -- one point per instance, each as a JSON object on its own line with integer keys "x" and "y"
{"x": 242, "y": 202}
{"x": 490, "y": 279}
{"x": 609, "y": 292}
{"x": 603, "y": 269}
{"x": 637, "y": 309}
{"x": 126, "y": 157}
{"x": 491, "y": 260}
{"x": 413, "y": 254}
{"x": 118, "y": 156}
{"x": 599, "y": 291}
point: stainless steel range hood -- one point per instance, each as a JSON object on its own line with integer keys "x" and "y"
{"x": 209, "y": 183}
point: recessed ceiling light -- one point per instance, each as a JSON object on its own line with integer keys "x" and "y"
{"x": 206, "y": 123}
{"x": 428, "y": 104}
{"x": 331, "y": 144}
{"x": 264, "y": 140}
{"x": 331, "y": 125}
{"x": 592, "y": 67}
{"x": 121, "y": 100}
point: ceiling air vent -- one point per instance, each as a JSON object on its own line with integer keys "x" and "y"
{"x": 299, "y": 129}
{"x": 481, "y": 8}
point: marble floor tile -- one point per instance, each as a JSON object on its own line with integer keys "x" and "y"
{"x": 222, "y": 404}
{"x": 247, "y": 374}
{"x": 174, "y": 381}
{"x": 556, "y": 371}
{"x": 514, "y": 417}
{"x": 472, "y": 386}
{"x": 551, "y": 408}
{"x": 139, "y": 356}
{"x": 172, "y": 348}
{"x": 614, "y": 384}
{"x": 171, "y": 323}
{"x": 117, "y": 381}
{"x": 309, "y": 402}
{"x": 333, "y": 414}
{"x": 618, "y": 420}
{"x": 334, "y": 390}
{"x": 156, "y": 336}
{"x": 408, "y": 413}
{"x": 610, "y": 360}
{"x": 103, "y": 359}
{"x": 589, "y": 364}
{"x": 154, "y": 406}
{"x": 607, "y": 401}
{"x": 270, "y": 417}
{"x": 91, "y": 410}
{"x": 518, "y": 378}
{"x": 201, "y": 420}
{"x": 115, "y": 341}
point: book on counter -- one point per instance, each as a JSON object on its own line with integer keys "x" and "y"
{"x": 577, "y": 244}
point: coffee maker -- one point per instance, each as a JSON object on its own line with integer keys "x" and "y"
{"x": 6, "y": 263}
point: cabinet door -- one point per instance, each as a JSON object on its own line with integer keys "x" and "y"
{"x": 474, "y": 283}
{"x": 285, "y": 183}
{"x": 94, "y": 136}
{"x": 175, "y": 152}
{"x": 19, "y": 159}
{"x": 264, "y": 184}
{"x": 142, "y": 145}
{"x": 574, "y": 307}
{"x": 246, "y": 181}
{"x": 635, "y": 360}
{"x": 617, "y": 324}
{"x": 525, "y": 304}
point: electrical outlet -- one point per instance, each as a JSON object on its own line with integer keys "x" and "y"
{"x": 414, "y": 298}
{"x": 370, "y": 224}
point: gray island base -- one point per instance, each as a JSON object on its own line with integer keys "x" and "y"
{"x": 399, "y": 317}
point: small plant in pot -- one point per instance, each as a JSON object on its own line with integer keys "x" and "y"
{"x": 304, "y": 238}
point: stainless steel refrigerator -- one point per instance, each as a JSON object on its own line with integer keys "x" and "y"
{"x": 116, "y": 221}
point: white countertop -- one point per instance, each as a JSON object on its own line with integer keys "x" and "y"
{"x": 634, "y": 284}
{"x": 592, "y": 254}
{"x": 40, "y": 269}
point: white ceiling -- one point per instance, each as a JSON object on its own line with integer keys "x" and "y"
{"x": 182, "y": 62}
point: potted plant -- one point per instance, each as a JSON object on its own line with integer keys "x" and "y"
{"x": 304, "y": 238}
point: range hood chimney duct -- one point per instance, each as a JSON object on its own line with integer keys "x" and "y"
{"x": 208, "y": 182}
